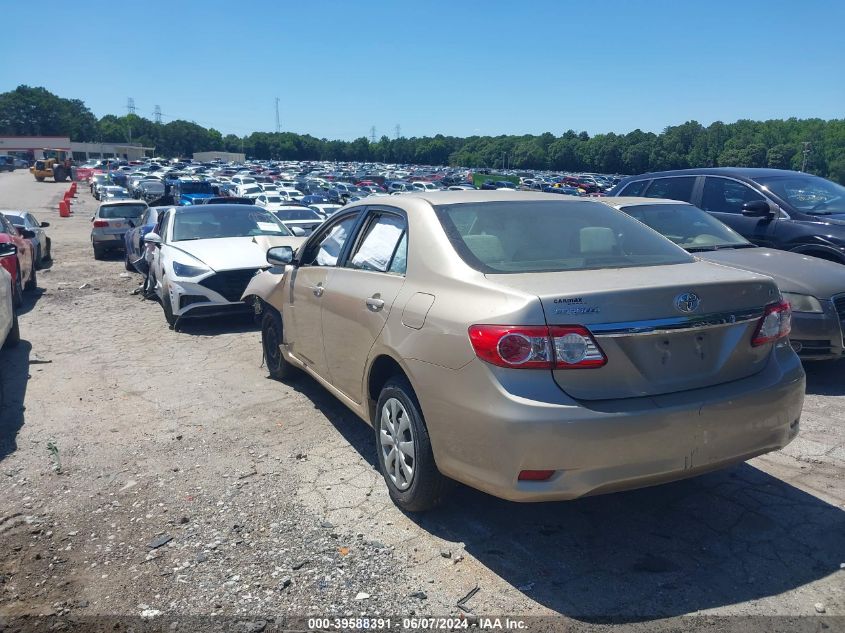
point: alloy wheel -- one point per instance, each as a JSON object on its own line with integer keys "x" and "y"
{"x": 397, "y": 443}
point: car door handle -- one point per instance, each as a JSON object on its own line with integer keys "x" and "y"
{"x": 375, "y": 304}
{"x": 318, "y": 290}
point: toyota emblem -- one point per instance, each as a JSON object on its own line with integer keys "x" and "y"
{"x": 687, "y": 302}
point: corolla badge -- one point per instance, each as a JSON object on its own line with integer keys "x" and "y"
{"x": 687, "y": 302}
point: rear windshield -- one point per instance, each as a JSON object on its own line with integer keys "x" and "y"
{"x": 540, "y": 236}
{"x": 121, "y": 211}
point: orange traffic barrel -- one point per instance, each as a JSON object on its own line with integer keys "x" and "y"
{"x": 64, "y": 209}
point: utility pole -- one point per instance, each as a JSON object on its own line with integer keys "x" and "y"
{"x": 398, "y": 130}
{"x": 157, "y": 114}
{"x": 373, "y": 134}
{"x": 130, "y": 105}
{"x": 806, "y": 153}
{"x": 278, "y": 123}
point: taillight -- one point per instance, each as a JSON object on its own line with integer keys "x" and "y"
{"x": 775, "y": 324}
{"x": 100, "y": 224}
{"x": 536, "y": 347}
{"x": 535, "y": 475}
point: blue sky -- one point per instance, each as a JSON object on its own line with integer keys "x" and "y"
{"x": 461, "y": 68}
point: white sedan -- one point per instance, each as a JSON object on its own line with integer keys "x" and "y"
{"x": 206, "y": 254}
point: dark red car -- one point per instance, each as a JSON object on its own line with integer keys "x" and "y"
{"x": 22, "y": 266}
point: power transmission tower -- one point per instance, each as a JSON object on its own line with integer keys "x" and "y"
{"x": 278, "y": 123}
{"x": 130, "y": 105}
{"x": 157, "y": 114}
{"x": 373, "y": 134}
{"x": 806, "y": 151}
{"x": 398, "y": 130}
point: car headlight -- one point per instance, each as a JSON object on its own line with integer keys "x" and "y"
{"x": 803, "y": 303}
{"x": 184, "y": 270}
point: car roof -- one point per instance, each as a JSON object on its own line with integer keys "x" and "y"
{"x": 13, "y": 212}
{"x": 632, "y": 201}
{"x": 123, "y": 201}
{"x": 742, "y": 172}
{"x": 439, "y": 197}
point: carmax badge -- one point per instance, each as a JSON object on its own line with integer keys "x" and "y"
{"x": 687, "y": 302}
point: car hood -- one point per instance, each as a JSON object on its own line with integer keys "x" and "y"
{"x": 228, "y": 253}
{"x": 791, "y": 271}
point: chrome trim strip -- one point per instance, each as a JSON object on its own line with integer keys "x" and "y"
{"x": 675, "y": 324}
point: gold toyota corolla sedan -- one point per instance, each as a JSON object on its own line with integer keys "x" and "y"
{"x": 534, "y": 346}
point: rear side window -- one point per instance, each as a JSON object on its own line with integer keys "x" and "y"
{"x": 379, "y": 245}
{"x": 679, "y": 188}
{"x": 520, "y": 237}
{"x": 634, "y": 188}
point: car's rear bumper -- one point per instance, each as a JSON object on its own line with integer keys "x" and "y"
{"x": 115, "y": 241}
{"x": 487, "y": 425}
{"x": 818, "y": 336}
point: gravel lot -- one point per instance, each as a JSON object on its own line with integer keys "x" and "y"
{"x": 187, "y": 483}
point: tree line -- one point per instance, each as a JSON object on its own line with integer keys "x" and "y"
{"x": 816, "y": 145}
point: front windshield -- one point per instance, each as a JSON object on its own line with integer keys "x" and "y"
{"x": 688, "y": 226}
{"x": 274, "y": 199}
{"x": 212, "y": 222}
{"x": 524, "y": 237}
{"x": 806, "y": 193}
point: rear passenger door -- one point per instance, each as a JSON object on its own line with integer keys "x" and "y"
{"x": 360, "y": 295}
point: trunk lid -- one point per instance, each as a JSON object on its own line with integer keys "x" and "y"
{"x": 656, "y": 339}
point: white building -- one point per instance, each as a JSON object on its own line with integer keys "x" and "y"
{"x": 32, "y": 148}
{"x": 229, "y": 157}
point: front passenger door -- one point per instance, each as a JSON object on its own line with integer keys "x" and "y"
{"x": 360, "y": 296}
{"x": 304, "y": 337}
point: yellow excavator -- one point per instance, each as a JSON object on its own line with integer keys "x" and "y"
{"x": 56, "y": 164}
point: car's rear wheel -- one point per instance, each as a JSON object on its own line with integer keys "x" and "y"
{"x": 98, "y": 252}
{"x": 404, "y": 450}
{"x": 271, "y": 341}
{"x": 14, "y": 335}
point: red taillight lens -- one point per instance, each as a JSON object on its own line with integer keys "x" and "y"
{"x": 512, "y": 346}
{"x": 775, "y": 324}
{"x": 535, "y": 475}
{"x": 536, "y": 347}
{"x": 100, "y": 224}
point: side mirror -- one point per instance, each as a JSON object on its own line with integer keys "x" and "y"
{"x": 298, "y": 231}
{"x": 758, "y": 209}
{"x": 44, "y": 225}
{"x": 153, "y": 238}
{"x": 280, "y": 256}
{"x": 27, "y": 233}
{"x": 7, "y": 249}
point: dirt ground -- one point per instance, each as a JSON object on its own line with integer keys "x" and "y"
{"x": 185, "y": 483}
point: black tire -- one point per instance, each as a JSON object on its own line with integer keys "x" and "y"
{"x": 17, "y": 292}
{"x": 126, "y": 263}
{"x": 48, "y": 256}
{"x": 40, "y": 179}
{"x": 98, "y": 252}
{"x": 37, "y": 261}
{"x": 59, "y": 174}
{"x": 168, "y": 308}
{"x": 14, "y": 335}
{"x": 32, "y": 284}
{"x": 428, "y": 486}
{"x": 271, "y": 337}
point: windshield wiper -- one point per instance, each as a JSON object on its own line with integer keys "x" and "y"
{"x": 717, "y": 247}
